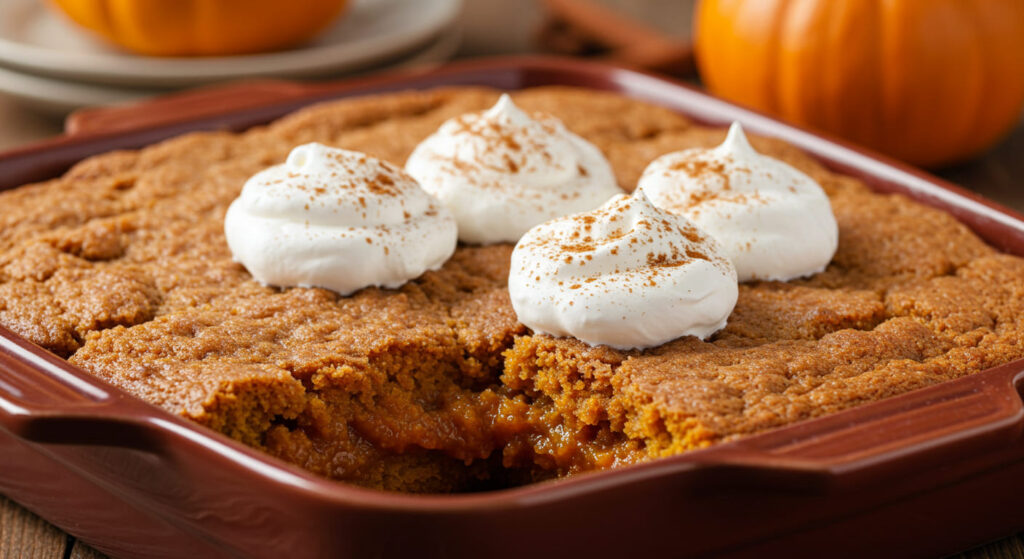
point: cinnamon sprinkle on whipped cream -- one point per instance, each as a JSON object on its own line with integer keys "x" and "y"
{"x": 773, "y": 221}
{"x": 626, "y": 275}
{"x": 502, "y": 172}
{"x": 337, "y": 219}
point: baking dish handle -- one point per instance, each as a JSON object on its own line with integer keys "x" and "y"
{"x": 970, "y": 417}
{"x": 43, "y": 400}
{"x": 187, "y": 105}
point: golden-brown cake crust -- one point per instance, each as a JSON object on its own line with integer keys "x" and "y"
{"x": 121, "y": 266}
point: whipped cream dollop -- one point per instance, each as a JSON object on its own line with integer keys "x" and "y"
{"x": 337, "y": 219}
{"x": 626, "y": 275}
{"x": 501, "y": 172}
{"x": 773, "y": 221}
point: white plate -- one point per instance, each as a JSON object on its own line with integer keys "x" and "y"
{"x": 59, "y": 97}
{"x": 37, "y": 40}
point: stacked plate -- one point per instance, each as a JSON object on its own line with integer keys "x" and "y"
{"x": 48, "y": 62}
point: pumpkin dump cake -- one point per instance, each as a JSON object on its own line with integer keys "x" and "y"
{"x": 122, "y": 266}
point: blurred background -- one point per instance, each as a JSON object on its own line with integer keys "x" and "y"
{"x": 938, "y": 83}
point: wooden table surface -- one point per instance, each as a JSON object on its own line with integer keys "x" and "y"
{"x": 489, "y": 28}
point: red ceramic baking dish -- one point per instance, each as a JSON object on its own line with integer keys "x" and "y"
{"x": 923, "y": 474}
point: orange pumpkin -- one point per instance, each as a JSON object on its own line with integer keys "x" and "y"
{"x": 203, "y": 27}
{"x": 928, "y": 81}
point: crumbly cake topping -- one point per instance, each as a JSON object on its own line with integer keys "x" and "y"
{"x": 122, "y": 266}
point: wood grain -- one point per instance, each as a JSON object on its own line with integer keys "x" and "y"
{"x": 26, "y": 536}
{"x": 83, "y": 551}
{"x": 1009, "y": 548}
{"x": 999, "y": 174}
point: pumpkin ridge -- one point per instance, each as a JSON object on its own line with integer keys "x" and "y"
{"x": 105, "y": 19}
{"x": 774, "y": 56}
